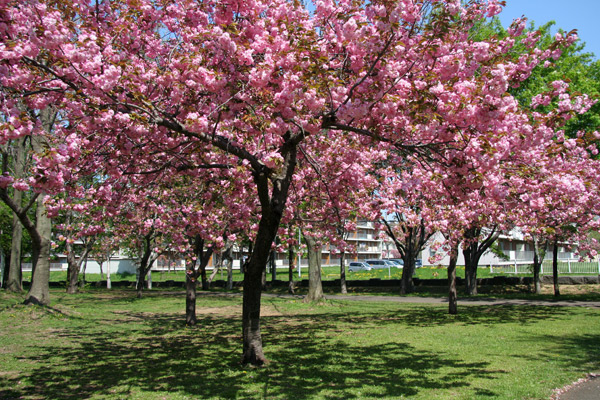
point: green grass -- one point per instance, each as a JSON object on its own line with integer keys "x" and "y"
{"x": 329, "y": 273}
{"x": 104, "y": 344}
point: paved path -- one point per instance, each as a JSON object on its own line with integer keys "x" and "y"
{"x": 477, "y": 301}
{"x": 584, "y": 389}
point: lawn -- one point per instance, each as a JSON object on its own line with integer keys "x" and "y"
{"x": 104, "y": 344}
{"x": 329, "y": 273}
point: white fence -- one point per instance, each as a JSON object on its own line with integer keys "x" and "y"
{"x": 53, "y": 267}
{"x": 564, "y": 267}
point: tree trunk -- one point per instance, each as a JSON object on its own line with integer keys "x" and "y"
{"x": 452, "y": 296}
{"x": 538, "y": 258}
{"x": 475, "y": 246}
{"x": 407, "y": 284}
{"x": 343, "y": 287}
{"x": 273, "y": 264}
{"x": 141, "y": 281}
{"x": 15, "y": 272}
{"x": 5, "y": 263}
{"x": 409, "y": 244}
{"x": 101, "y": 271}
{"x": 252, "y": 340}
{"x": 291, "y": 261}
{"x": 252, "y": 346}
{"x": 230, "y": 273}
{"x": 205, "y": 284}
{"x": 82, "y": 282}
{"x": 200, "y": 260}
{"x": 216, "y": 268}
{"x": 73, "y": 278}
{"x": 315, "y": 287}
{"x": 72, "y": 270}
{"x": 190, "y": 299}
{"x": 39, "y": 291}
{"x": 263, "y": 278}
{"x": 537, "y": 286}
{"x": 555, "y": 269}
{"x": 272, "y": 204}
{"x": 471, "y": 263}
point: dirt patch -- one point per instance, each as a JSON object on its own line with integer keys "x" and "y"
{"x": 226, "y": 311}
{"x": 236, "y": 311}
{"x": 572, "y": 289}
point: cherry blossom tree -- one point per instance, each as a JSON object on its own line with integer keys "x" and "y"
{"x": 143, "y": 85}
{"x": 39, "y": 228}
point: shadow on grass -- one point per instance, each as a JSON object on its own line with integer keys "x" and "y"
{"x": 157, "y": 354}
{"x": 581, "y": 353}
{"x": 203, "y": 363}
{"x": 436, "y": 315}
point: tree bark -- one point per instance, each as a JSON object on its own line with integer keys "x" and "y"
{"x": 555, "y": 269}
{"x": 538, "y": 258}
{"x": 452, "y": 296}
{"x": 74, "y": 264}
{"x": 343, "y": 287}
{"x": 203, "y": 277}
{"x": 252, "y": 345}
{"x": 409, "y": 245}
{"x": 39, "y": 291}
{"x": 15, "y": 272}
{"x": 291, "y": 263}
{"x": 146, "y": 262}
{"x": 14, "y": 282}
{"x": 273, "y": 263}
{"x": 229, "y": 260}
{"x": 473, "y": 250}
{"x": 471, "y": 263}
{"x": 193, "y": 269}
{"x": 4, "y": 266}
{"x": 72, "y": 270}
{"x": 315, "y": 287}
{"x": 82, "y": 281}
{"x": 272, "y": 205}
{"x": 190, "y": 300}
{"x": 263, "y": 277}
{"x": 217, "y": 265}
{"x": 252, "y": 339}
{"x": 407, "y": 284}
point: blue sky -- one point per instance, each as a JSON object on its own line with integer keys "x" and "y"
{"x": 583, "y": 15}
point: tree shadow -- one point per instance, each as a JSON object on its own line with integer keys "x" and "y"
{"x": 581, "y": 352}
{"x": 424, "y": 316}
{"x": 204, "y": 363}
{"x": 158, "y": 353}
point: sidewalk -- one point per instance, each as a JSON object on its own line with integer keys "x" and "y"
{"x": 479, "y": 301}
{"x": 585, "y": 389}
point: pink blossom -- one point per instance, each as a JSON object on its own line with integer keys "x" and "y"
{"x": 22, "y": 186}
{"x": 5, "y": 180}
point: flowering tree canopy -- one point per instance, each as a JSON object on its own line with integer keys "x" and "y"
{"x": 164, "y": 89}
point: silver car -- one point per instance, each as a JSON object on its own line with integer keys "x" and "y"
{"x": 381, "y": 264}
{"x": 359, "y": 266}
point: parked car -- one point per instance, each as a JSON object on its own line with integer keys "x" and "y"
{"x": 381, "y": 264}
{"x": 398, "y": 261}
{"x": 359, "y": 266}
{"x": 418, "y": 262}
